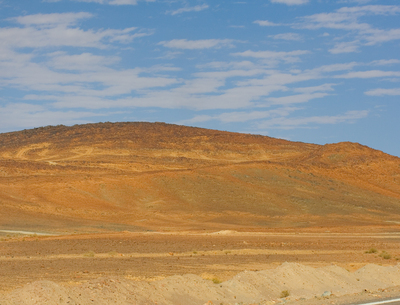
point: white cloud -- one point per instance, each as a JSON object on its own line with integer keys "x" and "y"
{"x": 371, "y": 9}
{"x": 266, "y": 23}
{"x": 196, "y": 8}
{"x": 101, "y": 83}
{"x": 230, "y": 73}
{"x": 288, "y": 36}
{"x": 56, "y": 30}
{"x": 336, "y": 20}
{"x": 345, "y": 47}
{"x": 324, "y": 87}
{"x": 382, "y": 92}
{"x": 197, "y": 44}
{"x": 279, "y": 80}
{"x": 291, "y": 2}
{"x": 83, "y": 74}
{"x": 369, "y": 74}
{"x": 375, "y": 36}
{"x": 54, "y": 19}
{"x": 304, "y": 122}
{"x": 123, "y": 2}
{"x": 115, "y": 2}
{"x": 347, "y": 19}
{"x": 383, "y": 62}
{"x": 355, "y": 1}
{"x": 207, "y": 90}
{"x": 197, "y": 94}
{"x": 295, "y": 99}
{"x": 73, "y": 66}
{"x": 170, "y": 55}
{"x": 41, "y": 31}
{"x": 241, "y": 116}
{"x": 86, "y": 80}
{"x": 273, "y": 56}
{"x": 336, "y": 67}
{"x": 221, "y": 65}
{"x": 80, "y": 62}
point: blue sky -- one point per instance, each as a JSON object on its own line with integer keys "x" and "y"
{"x": 316, "y": 71}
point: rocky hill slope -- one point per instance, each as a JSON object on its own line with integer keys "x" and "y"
{"x": 156, "y": 176}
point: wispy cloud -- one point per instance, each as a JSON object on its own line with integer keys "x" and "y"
{"x": 53, "y": 19}
{"x": 208, "y": 90}
{"x": 290, "y": 2}
{"x": 345, "y": 47}
{"x": 59, "y": 30}
{"x": 369, "y": 74}
{"x": 347, "y": 19}
{"x": 266, "y": 23}
{"x": 82, "y": 73}
{"x": 80, "y": 62}
{"x": 354, "y": 1}
{"x": 241, "y": 116}
{"x": 384, "y": 62}
{"x": 288, "y": 36}
{"x": 196, "y": 8}
{"x": 382, "y": 92}
{"x": 323, "y": 87}
{"x": 295, "y": 99}
{"x": 110, "y": 2}
{"x": 308, "y": 122}
{"x": 273, "y": 57}
{"x": 197, "y": 44}
{"x": 376, "y": 36}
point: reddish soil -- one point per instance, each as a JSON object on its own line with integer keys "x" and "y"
{"x": 139, "y": 201}
{"x": 154, "y": 176}
{"x": 78, "y": 258}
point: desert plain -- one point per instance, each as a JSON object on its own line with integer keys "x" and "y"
{"x": 152, "y": 213}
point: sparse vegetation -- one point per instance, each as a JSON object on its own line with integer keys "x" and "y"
{"x": 216, "y": 280}
{"x": 385, "y": 255}
{"x": 284, "y": 294}
{"x": 372, "y": 250}
{"x": 90, "y": 254}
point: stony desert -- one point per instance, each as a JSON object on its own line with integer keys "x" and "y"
{"x": 152, "y": 213}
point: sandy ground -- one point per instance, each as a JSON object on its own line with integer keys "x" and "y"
{"x": 193, "y": 268}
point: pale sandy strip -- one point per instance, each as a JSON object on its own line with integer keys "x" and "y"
{"x": 25, "y": 233}
{"x": 91, "y": 255}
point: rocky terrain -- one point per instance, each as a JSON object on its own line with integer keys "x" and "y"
{"x": 155, "y": 176}
{"x": 152, "y": 213}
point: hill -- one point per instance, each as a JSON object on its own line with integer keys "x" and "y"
{"x": 156, "y": 176}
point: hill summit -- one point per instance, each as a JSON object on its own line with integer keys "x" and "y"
{"x": 156, "y": 176}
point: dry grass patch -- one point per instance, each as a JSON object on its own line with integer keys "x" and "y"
{"x": 385, "y": 255}
{"x": 89, "y": 254}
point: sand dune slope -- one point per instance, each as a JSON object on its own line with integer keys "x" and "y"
{"x": 261, "y": 287}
